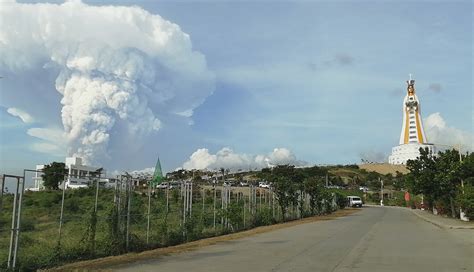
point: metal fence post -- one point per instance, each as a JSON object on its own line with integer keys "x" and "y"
{"x": 243, "y": 196}
{"x": 191, "y": 200}
{"x": 14, "y": 226}
{"x": 215, "y": 206}
{"x": 203, "y": 199}
{"x": 148, "y": 215}
{"x": 96, "y": 195}
{"x": 18, "y": 220}
{"x": 61, "y": 213}
{"x": 129, "y": 190}
{"x": 1, "y": 192}
{"x": 167, "y": 198}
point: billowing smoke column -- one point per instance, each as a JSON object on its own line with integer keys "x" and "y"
{"x": 117, "y": 67}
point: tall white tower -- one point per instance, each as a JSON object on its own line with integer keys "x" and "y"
{"x": 412, "y": 137}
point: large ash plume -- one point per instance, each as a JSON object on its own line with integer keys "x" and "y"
{"x": 118, "y": 68}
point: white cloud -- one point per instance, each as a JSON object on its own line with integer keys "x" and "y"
{"x": 438, "y": 132}
{"x": 24, "y": 116}
{"x": 48, "y": 148}
{"x": 117, "y": 68}
{"x": 47, "y": 134}
{"x": 227, "y": 158}
{"x": 53, "y": 141}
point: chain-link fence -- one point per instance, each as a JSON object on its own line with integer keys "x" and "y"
{"x": 61, "y": 226}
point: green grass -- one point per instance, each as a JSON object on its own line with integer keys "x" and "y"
{"x": 40, "y": 246}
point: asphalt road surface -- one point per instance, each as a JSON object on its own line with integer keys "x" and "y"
{"x": 374, "y": 239}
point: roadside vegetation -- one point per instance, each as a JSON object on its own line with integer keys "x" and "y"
{"x": 87, "y": 234}
{"x": 294, "y": 193}
{"x": 446, "y": 181}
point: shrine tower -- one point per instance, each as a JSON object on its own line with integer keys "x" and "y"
{"x": 412, "y": 136}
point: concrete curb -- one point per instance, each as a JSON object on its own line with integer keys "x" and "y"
{"x": 438, "y": 224}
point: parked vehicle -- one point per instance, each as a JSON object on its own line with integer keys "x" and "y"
{"x": 264, "y": 185}
{"x": 162, "y": 185}
{"x": 174, "y": 185}
{"x": 244, "y": 184}
{"x": 354, "y": 201}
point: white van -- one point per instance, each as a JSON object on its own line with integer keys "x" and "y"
{"x": 354, "y": 201}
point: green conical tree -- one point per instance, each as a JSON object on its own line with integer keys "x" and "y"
{"x": 158, "y": 174}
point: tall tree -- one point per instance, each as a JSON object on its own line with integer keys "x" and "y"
{"x": 286, "y": 182}
{"x": 158, "y": 174}
{"x": 448, "y": 176}
{"x": 53, "y": 175}
{"x": 421, "y": 179}
{"x": 314, "y": 187}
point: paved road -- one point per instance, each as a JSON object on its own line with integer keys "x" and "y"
{"x": 374, "y": 239}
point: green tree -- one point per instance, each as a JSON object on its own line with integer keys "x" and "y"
{"x": 448, "y": 177}
{"x": 398, "y": 181}
{"x": 372, "y": 181}
{"x": 466, "y": 169}
{"x": 285, "y": 182}
{"x": 421, "y": 179}
{"x": 53, "y": 175}
{"x": 313, "y": 186}
{"x": 282, "y": 187}
{"x": 465, "y": 198}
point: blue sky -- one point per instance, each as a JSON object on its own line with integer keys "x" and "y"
{"x": 324, "y": 79}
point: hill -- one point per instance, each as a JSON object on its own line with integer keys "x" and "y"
{"x": 384, "y": 168}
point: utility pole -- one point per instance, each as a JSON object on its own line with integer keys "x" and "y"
{"x": 381, "y": 192}
{"x": 462, "y": 215}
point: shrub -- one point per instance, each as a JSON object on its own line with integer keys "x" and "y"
{"x": 27, "y": 224}
{"x": 263, "y": 217}
{"x": 175, "y": 237}
{"x": 71, "y": 205}
{"x": 341, "y": 200}
{"x": 466, "y": 200}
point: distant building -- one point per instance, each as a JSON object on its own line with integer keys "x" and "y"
{"x": 78, "y": 175}
{"x": 412, "y": 137}
{"x": 37, "y": 179}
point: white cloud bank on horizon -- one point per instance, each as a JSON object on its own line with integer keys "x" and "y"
{"x": 438, "y": 132}
{"x": 23, "y": 115}
{"x": 118, "y": 69}
{"x": 228, "y": 159}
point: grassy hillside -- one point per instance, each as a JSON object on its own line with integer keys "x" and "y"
{"x": 384, "y": 168}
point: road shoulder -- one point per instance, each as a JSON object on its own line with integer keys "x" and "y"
{"x": 102, "y": 264}
{"x": 443, "y": 222}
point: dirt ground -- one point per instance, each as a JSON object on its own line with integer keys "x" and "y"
{"x": 102, "y": 264}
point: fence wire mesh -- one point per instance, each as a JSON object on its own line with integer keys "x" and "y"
{"x": 128, "y": 218}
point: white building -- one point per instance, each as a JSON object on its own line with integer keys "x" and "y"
{"x": 412, "y": 136}
{"x": 78, "y": 175}
{"x": 37, "y": 179}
